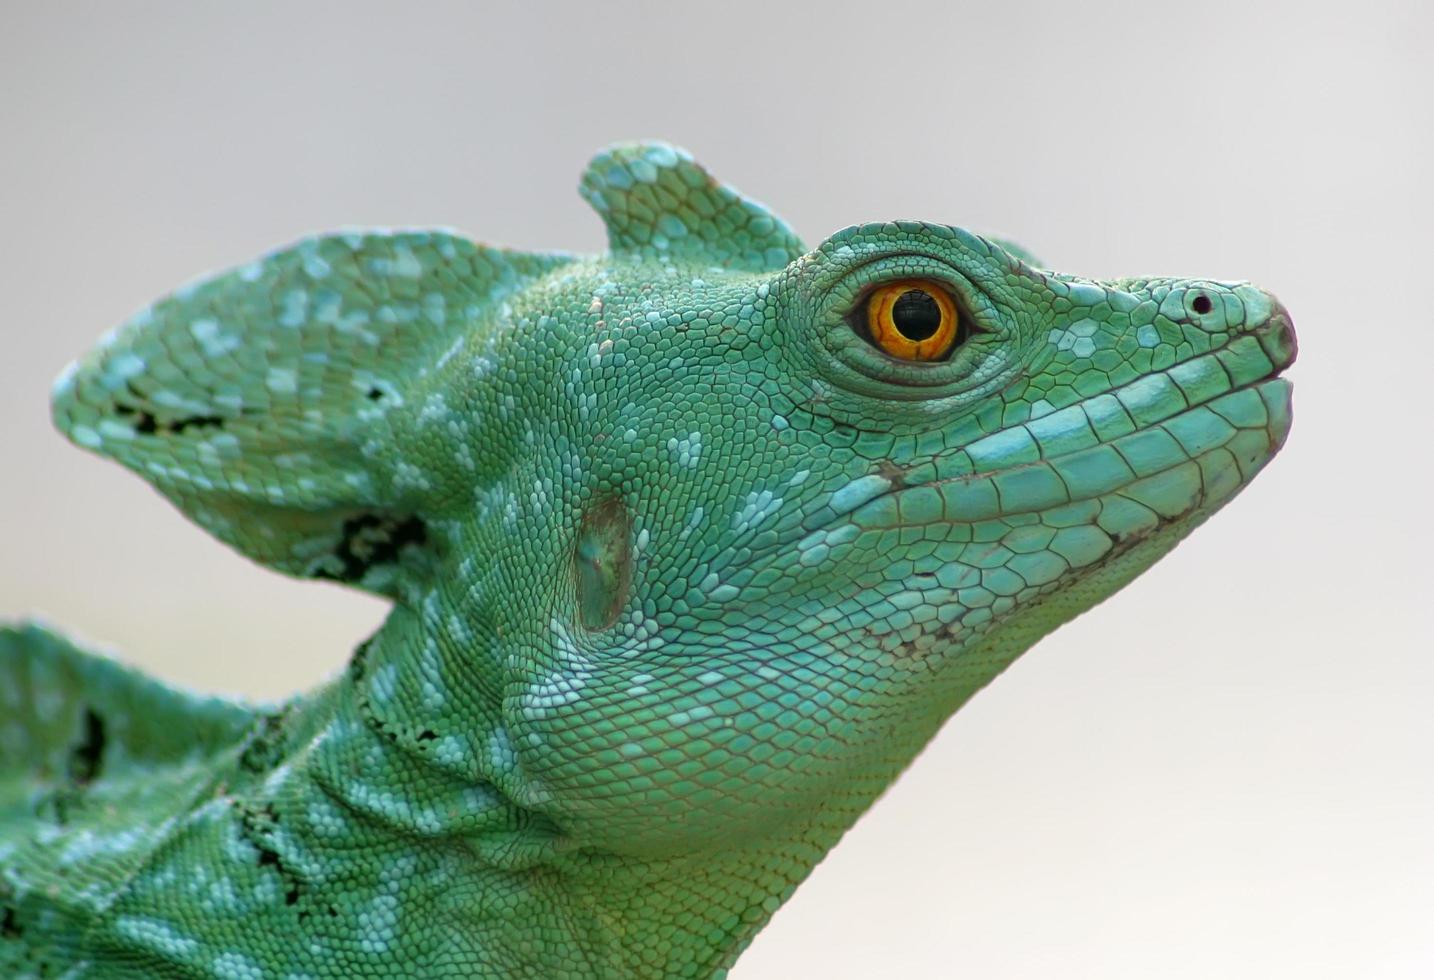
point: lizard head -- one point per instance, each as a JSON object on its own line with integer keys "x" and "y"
{"x": 825, "y": 500}
{"x": 697, "y": 541}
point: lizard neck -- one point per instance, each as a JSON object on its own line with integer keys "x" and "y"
{"x": 486, "y": 878}
{"x": 413, "y": 778}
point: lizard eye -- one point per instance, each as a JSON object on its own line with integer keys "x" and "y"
{"x": 913, "y": 319}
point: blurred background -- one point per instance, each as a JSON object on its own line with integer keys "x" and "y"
{"x": 1225, "y": 771}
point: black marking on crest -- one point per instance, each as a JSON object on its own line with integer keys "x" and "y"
{"x": 87, "y": 757}
{"x": 264, "y": 746}
{"x": 358, "y": 664}
{"x": 256, "y": 825}
{"x": 394, "y": 732}
{"x": 368, "y": 540}
{"x": 145, "y": 422}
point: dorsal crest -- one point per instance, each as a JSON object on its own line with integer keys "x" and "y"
{"x": 657, "y": 201}
{"x": 267, "y": 401}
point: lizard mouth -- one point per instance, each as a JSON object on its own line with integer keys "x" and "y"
{"x": 1117, "y": 480}
{"x": 1174, "y": 441}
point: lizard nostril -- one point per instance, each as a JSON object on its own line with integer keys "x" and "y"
{"x": 1201, "y": 304}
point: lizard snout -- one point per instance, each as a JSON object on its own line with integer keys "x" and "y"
{"x": 1277, "y": 336}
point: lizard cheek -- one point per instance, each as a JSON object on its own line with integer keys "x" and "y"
{"x": 602, "y": 563}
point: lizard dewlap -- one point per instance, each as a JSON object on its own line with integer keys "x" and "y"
{"x": 691, "y": 546}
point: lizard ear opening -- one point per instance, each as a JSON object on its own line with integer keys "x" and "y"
{"x": 269, "y": 403}
{"x": 658, "y": 202}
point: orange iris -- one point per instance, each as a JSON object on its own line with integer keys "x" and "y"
{"x": 913, "y": 319}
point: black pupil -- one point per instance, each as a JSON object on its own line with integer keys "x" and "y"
{"x": 1202, "y": 304}
{"x": 916, "y": 315}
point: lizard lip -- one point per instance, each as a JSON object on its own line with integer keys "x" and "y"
{"x": 1233, "y": 413}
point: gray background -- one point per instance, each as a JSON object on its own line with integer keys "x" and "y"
{"x": 1226, "y": 771}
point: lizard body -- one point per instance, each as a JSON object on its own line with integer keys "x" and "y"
{"x": 692, "y": 546}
